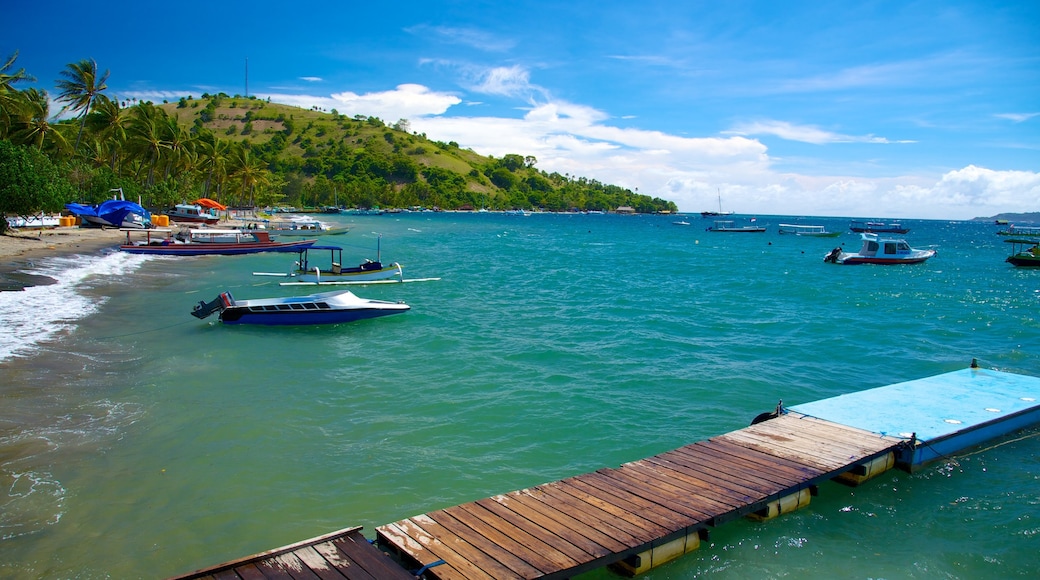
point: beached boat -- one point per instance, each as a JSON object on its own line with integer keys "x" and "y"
{"x": 1025, "y": 253}
{"x": 325, "y": 308}
{"x": 114, "y": 213}
{"x": 163, "y": 242}
{"x": 810, "y": 231}
{"x": 878, "y": 250}
{"x": 302, "y": 228}
{"x": 730, "y": 226}
{"x": 861, "y": 227}
{"x": 191, "y": 213}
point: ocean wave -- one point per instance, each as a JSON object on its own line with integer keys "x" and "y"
{"x": 40, "y": 313}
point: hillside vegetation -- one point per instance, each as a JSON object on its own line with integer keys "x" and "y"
{"x": 325, "y": 158}
{"x": 247, "y": 152}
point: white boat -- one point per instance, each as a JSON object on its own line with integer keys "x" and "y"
{"x": 716, "y": 213}
{"x": 324, "y": 308}
{"x": 302, "y": 228}
{"x": 192, "y": 213}
{"x": 729, "y": 226}
{"x": 810, "y": 231}
{"x": 878, "y": 250}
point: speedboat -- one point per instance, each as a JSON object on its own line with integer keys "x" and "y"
{"x": 325, "y": 308}
{"x": 1025, "y": 253}
{"x": 878, "y": 250}
{"x": 877, "y": 228}
{"x": 192, "y": 213}
{"x": 162, "y": 242}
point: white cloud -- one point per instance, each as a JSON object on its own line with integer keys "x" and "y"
{"x": 804, "y": 133}
{"x": 311, "y": 79}
{"x": 1017, "y": 117}
{"x": 404, "y": 102}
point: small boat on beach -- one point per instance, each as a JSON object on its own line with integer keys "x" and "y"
{"x": 809, "y": 231}
{"x": 200, "y": 242}
{"x": 861, "y": 227}
{"x": 1025, "y": 253}
{"x": 324, "y": 308}
{"x": 191, "y": 213}
{"x": 730, "y": 226}
{"x": 877, "y": 250}
{"x": 113, "y": 213}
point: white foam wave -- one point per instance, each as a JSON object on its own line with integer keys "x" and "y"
{"x": 39, "y": 313}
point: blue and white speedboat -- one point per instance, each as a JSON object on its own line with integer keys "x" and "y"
{"x": 879, "y": 250}
{"x": 324, "y": 308}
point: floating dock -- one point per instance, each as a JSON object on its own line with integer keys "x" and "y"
{"x": 648, "y": 512}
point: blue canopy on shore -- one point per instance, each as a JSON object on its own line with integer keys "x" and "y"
{"x": 113, "y": 211}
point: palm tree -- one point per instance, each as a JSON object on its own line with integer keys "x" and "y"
{"x": 31, "y": 125}
{"x": 79, "y": 86}
{"x": 11, "y": 99}
{"x": 145, "y": 136}
{"x": 248, "y": 170}
{"x": 108, "y": 124}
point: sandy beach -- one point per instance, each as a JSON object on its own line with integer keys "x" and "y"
{"x": 20, "y": 248}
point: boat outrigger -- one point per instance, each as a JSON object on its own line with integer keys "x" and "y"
{"x": 307, "y": 273}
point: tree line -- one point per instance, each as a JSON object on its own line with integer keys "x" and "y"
{"x": 250, "y": 153}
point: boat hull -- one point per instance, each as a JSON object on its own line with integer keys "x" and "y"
{"x": 852, "y": 260}
{"x": 246, "y": 315}
{"x": 1024, "y": 261}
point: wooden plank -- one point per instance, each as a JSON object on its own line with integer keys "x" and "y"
{"x": 346, "y": 567}
{"x": 317, "y": 564}
{"x": 610, "y": 538}
{"x": 367, "y": 557}
{"x": 657, "y": 519}
{"x": 491, "y": 547}
{"x": 573, "y": 553}
{"x": 742, "y": 455}
{"x": 674, "y": 517}
{"x": 528, "y": 547}
{"x": 743, "y": 489}
{"x": 838, "y": 441}
{"x": 273, "y": 569}
{"x": 697, "y": 509}
{"x": 455, "y": 567}
{"x": 525, "y": 556}
{"x": 469, "y": 547}
{"x": 625, "y": 531}
{"x": 745, "y": 460}
{"x": 575, "y": 537}
{"x": 642, "y": 520}
{"x": 804, "y": 454}
{"x": 749, "y": 475}
{"x": 707, "y": 500}
{"x": 727, "y": 490}
{"x": 246, "y": 572}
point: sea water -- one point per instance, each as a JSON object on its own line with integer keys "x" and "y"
{"x": 139, "y": 442}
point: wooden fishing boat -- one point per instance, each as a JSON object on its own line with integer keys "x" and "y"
{"x": 861, "y": 227}
{"x": 1025, "y": 253}
{"x": 200, "y": 242}
{"x": 808, "y": 231}
{"x": 730, "y": 226}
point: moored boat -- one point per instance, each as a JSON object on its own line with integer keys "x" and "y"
{"x": 303, "y": 228}
{"x": 162, "y": 242}
{"x": 1024, "y": 231}
{"x": 1025, "y": 253}
{"x": 730, "y": 226}
{"x": 113, "y": 213}
{"x": 806, "y": 230}
{"x": 324, "y": 308}
{"x": 861, "y": 227}
{"x": 878, "y": 250}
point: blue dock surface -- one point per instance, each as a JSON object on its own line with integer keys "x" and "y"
{"x": 946, "y": 413}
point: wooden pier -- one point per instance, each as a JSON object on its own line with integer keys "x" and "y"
{"x": 647, "y": 510}
{"x": 650, "y": 511}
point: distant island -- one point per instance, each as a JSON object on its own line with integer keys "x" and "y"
{"x": 1028, "y": 217}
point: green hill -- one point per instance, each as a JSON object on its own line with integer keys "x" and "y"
{"x": 324, "y": 158}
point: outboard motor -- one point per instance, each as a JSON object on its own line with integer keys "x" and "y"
{"x": 218, "y": 304}
{"x": 832, "y": 257}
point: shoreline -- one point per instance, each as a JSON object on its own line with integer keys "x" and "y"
{"x": 19, "y": 249}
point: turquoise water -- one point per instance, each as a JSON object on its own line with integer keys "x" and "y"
{"x": 137, "y": 441}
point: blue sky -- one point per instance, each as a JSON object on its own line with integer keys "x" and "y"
{"x": 877, "y": 109}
